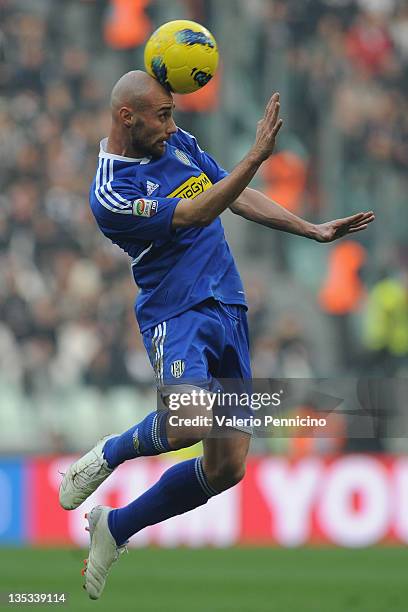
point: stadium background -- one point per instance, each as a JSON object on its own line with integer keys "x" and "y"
{"x": 72, "y": 364}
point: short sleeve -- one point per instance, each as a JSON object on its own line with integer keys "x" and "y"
{"x": 207, "y": 163}
{"x": 123, "y": 215}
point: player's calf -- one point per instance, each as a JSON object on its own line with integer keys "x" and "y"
{"x": 224, "y": 459}
{"x": 161, "y": 431}
{"x": 226, "y": 473}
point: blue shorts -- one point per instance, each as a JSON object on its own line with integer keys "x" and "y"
{"x": 201, "y": 346}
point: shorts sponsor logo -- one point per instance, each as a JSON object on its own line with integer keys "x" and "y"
{"x": 182, "y": 157}
{"x": 145, "y": 208}
{"x": 192, "y": 187}
{"x": 177, "y": 368}
{"x": 136, "y": 443}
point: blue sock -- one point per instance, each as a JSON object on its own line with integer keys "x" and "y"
{"x": 182, "y": 487}
{"x": 147, "y": 438}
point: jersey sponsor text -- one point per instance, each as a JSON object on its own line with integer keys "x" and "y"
{"x": 192, "y": 187}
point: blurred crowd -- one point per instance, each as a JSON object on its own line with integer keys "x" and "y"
{"x": 66, "y": 294}
{"x": 352, "y": 54}
{"x": 344, "y": 70}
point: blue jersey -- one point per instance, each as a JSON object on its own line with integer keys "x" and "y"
{"x": 133, "y": 201}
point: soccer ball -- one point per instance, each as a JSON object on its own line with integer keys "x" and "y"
{"x": 182, "y": 55}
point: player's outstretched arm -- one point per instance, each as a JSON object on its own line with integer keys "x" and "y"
{"x": 255, "y": 206}
{"x": 209, "y": 205}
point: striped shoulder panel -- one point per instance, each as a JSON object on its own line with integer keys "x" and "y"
{"x": 104, "y": 191}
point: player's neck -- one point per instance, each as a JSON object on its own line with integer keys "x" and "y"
{"x": 117, "y": 145}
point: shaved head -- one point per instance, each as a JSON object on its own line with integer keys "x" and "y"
{"x": 135, "y": 89}
{"x": 142, "y": 116}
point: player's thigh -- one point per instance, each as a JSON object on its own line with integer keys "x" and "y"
{"x": 235, "y": 362}
{"x": 234, "y": 374}
{"x": 180, "y": 350}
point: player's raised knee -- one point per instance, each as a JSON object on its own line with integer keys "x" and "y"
{"x": 189, "y": 421}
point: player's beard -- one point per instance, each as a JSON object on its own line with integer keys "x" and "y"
{"x": 143, "y": 141}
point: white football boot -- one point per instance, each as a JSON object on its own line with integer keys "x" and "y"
{"x": 84, "y": 476}
{"x": 103, "y": 551}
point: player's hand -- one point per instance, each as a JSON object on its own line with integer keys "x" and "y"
{"x": 332, "y": 230}
{"x": 267, "y": 130}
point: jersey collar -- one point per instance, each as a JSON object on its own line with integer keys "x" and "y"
{"x": 104, "y": 155}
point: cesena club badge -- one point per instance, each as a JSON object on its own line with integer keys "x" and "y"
{"x": 145, "y": 208}
{"x": 182, "y": 157}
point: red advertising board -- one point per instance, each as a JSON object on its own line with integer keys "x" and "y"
{"x": 350, "y": 500}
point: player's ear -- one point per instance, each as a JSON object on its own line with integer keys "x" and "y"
{"x": 126, "y": 116}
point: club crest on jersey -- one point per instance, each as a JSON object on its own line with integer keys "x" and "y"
{"x": 177, "y": 368}
{"x": 182, "y": 157}
{"x": 145, "y": 208}
{"x": 151, "y": 187}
